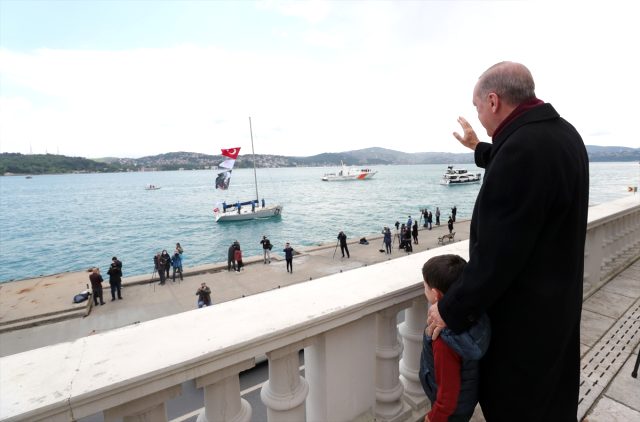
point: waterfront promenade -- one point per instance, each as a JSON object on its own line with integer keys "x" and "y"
{"x": 39, "y": 311}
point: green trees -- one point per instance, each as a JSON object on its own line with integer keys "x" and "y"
{"x": 49, "y": 164}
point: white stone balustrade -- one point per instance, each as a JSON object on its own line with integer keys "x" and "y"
{"x": 346, "y": 323}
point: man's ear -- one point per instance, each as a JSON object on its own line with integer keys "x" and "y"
{"x": 494, "y": 101}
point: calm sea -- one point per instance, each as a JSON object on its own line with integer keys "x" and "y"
{"x": 58, "y": 223}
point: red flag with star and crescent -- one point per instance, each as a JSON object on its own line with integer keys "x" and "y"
{"x": 231, "y": 152}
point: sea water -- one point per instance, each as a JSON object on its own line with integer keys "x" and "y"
{"x": 57, "y": 223}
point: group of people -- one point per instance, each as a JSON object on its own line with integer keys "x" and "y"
{"x": 115, "y": 282}
{"x": 234, "y": 255}
{"x": 478, "y": 345}
{"x": 163, "y": 262}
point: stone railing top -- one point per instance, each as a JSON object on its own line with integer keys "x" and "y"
{"x": 98, "y": 372}
{"x": 608, "y": 211}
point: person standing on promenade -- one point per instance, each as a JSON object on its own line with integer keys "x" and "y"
{"x": 342, "y": 238}
{"x": 437, "y": 216}
{"x": 179, "y": 248}
{"x": 450, "y": 225}
{"x": 454, "y": 211}
{"x": 159, "y": 266}
{"x": 166, "y": 262}
{"x": 204, "y": 295}
{"x": 176, "y": 263}
{"x": 237, "y": 256}
{"x": 96, "y": 286}
{"x": 266, "y": 249}
{"x": 115, "y": 278}
{"x": 387, "y": 239}
{"x": 430, "y": 220}
{"x": 414, "y": 232}
{"x": 231, "y": 261}
{"x": 526, "y": 251}
{"x": 288, "y": 256}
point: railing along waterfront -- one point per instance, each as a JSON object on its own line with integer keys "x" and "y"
{"x": 359, "y": 364}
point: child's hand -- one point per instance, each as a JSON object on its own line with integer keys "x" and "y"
{"x": 426, "y": 418}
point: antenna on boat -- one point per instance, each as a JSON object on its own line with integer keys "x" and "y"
{"x": 255, "y": 177}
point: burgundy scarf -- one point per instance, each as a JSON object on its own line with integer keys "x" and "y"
{"x": 523, "y": 107}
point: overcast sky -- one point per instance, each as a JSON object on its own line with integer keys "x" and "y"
{"x": 134, "y": 78}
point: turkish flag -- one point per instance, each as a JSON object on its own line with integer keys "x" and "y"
{"x": 231, "y": 152}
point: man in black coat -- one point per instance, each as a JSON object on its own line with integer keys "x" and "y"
{"x": 526, "y": 251}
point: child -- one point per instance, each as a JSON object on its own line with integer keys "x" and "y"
{"x": 449, "y": 366}
{"x": 237, "y": 255}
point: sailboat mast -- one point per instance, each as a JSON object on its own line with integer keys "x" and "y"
{"x": 255, "y": 177}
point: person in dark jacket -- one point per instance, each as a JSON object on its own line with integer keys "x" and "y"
{"x": 288, "y": 256}
{"x": 387, "y": 239}
{"x": 414, "y": 232}
{"x": 454, "y": 211}
{"x": 166, "y": 262}
{"x": 96, "y": 286}
{"x": 526, "y": 251}
{"x": 115, "y": 278}
{"x": 342, "y": 238}
{"x": 450, "y": 224}
{"x": 204, "y": 295}
{"x": 266, "y": 249}
{"x": 449, "y": 365}
{"x": 158, "y": 263}
{"x": 231, "y": 262}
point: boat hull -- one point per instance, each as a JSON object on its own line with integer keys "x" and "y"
{"x": 247, "y": 214}
{"x": 456, "y": 183}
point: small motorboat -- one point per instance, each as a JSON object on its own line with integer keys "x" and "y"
{"x": 151, "y": 187}
{"x": 459, "y": 177}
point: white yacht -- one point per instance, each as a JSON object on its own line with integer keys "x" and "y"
{"x": 459, "y": 177}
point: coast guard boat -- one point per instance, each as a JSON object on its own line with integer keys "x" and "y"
{"x": 347, "y": 173}
{"x": 459, "y": 177}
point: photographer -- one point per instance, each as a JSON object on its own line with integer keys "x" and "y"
{"x": 266, "y": 249}
{"x": 115, "y": 278}
{"x": 204, "y": 295}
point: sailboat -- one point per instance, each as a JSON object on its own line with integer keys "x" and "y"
{"x": 247, "y": 210}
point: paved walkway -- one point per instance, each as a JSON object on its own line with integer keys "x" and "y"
{"x": 38, "y": 312}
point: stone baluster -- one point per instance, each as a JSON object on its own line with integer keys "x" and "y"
{"x": 389, "y": 390}
{"x": 222, "y": 401}
{"x": 411, "y": 331}
{"x": 593, "y": 259}
{"x": 147, "y": 408}
{"x": 285, "y": 392}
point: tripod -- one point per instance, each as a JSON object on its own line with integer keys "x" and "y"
{"x": 334, "y": 251}
{"x": 151, "y": 281}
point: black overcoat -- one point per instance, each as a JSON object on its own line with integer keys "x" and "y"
{"x": 526, "y": 259}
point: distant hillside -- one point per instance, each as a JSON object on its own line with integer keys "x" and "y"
{"x": 597, "y": 153}
{"x": 13, "y": 163}
{"x": 48, "y": 163}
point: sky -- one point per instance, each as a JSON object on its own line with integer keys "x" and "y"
{"x": 131, "y": 78}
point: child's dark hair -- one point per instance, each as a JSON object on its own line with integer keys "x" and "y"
{"x": 441, "y": 271}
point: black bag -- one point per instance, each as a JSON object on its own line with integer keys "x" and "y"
{"x": 80, "y": 297}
